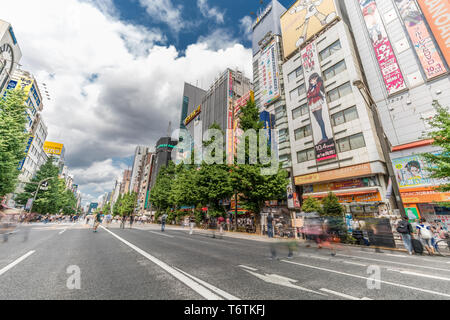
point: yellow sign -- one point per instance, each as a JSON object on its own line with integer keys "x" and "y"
{"x": 191, "y": 117}
{"x": 53, "y": 148}
{"x": 303, "y": 20}
{"x": 342, "y": 173}
{"x": 25, "y": 84}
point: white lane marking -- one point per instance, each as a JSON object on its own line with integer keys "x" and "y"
{"x": 281, "y": 281}
{"x": 365, "y": 278}
{"x": 339, "y": 294}
{"x": 204, "y": 292}
{"x": 394, "y": 262}
{"x": 224, "y": 294}
{"x": 162, "y": 234}
{"x": 395, "y": 255}
{"x": 282, "y": 278}
{"x": 61, "y": 232}
{"x": 16, "y": 262}
{"x": 246, "y": 267}
{"x": 356, "y": 263}
{"x": 412, "y": 273}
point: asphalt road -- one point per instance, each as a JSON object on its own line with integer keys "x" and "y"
{"x": 69, "y": 261}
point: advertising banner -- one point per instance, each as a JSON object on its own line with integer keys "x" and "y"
{"x": 437, "y": 14}
{"x": 53, "y": 148}
{"x": 269, "y": 74}
{"x": 27, "y": 148}
{"x": 342, "y": 173}
{"x": 421, "y": 39}
{"x": 318, "y": 106}
{"x": 237, "y": 132}
{"x": 341, "y": 185}
{"x": 411, "y": 172}
{"x": 390, "y": 70}
{"x": 229, "y": 146}
{"x": 303, "y": 20}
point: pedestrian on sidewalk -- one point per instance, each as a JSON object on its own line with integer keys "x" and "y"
{"x": 122, "y": 224}
{"x": 131, "y": 220}
{"x": 405, "y": 229}
{"x": 191, "y": 224}
{"x": 163, "y": 222}
{"x": 98, "y": 220}
{"x": 425, "y": 235}
{"x": 270, "y": 225}
{"x": 221, "y": 221}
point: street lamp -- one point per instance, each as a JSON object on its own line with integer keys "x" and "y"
{"x": 37, "y": 190}
{"x": 385, "y": 145}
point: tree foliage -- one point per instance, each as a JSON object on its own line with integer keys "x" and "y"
{"x": 12, "y": 139}
{"x": 440, "y": 163}
{"x": 331, "y": 206}
{"x": 311, "y": 205}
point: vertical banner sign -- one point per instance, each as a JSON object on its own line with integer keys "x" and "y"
{"x": 268, "y": 72}
{"x": 237, "y": 132}
{"x": 317, "y": 104}
{"x": 437, "y": 14}
{"x": 230, "y": 135}
{"x": 390, "y": 70}
{"x": 421, "y": 39}
{"x": 27, "y": 148}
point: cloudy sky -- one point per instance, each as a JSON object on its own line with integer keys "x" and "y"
{"x": 115, "y": 70}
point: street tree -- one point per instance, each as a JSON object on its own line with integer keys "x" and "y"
{"x": 439, "y": 167}
{"x": 160, "y": 194}
{"x": 331, "y": 206}
{"x": 311, "y": 205}
{"x": 128, "y": 204}
{"x": 13, "y": 139}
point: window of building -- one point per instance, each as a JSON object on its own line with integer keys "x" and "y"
{"x": 353, "y": 142}
{"x": 282, "y": 135}
{"x": 300, "y": 111}
{"x": 295, "y": 74}
{"x": 298, "y": 91}
{"x": 334, "y": 70}
{"x": 303, "y": 132}
{"x": 344, "y": 116}
{"x": 280, "y": 112}
{"x": 305, "y": 155}
{"x": 331, "y": 49}
{"x": 339, "y": 92}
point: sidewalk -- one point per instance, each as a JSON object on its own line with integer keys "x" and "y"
{"x": 260, "y": 238}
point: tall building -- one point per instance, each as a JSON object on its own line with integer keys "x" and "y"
{"x": 136, "y": 171}
{"x": 334, "y": 142}
{"x": 10, "y": 54}
{"x": 125, "y": 185}
{"x": 144, "y": 188}
{"x": 404, "y": 46}
{"x": 162, "y": 156}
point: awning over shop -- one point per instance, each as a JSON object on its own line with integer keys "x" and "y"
{"x": 340, "y": 193}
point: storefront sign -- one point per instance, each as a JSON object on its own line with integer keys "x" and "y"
{"x": 425, "y": 195}
{"x": 411, "y": 172}
{"x": 269, "y": 75}
{"x": 342, "y": 173}
{"x": 325, "y": 146}
{"x": 384, "y": 53}
{"x": 421, "y": 39}
{"x": 192, "y": 116}
{"x": 437, "y": 13}
{"x": 341, "y": 185}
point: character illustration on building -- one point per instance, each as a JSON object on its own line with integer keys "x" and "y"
{"x": 374, "y": 28}
{"x": 409, "y": 12}
{"x": 316, "y": 100}
{"x": 311, "y": 8}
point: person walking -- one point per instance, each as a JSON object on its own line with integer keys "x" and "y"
{"x": 131, "y": 220}
{"x": 191, "y": 224}
{"x": 270, "y": 225}
{"x": 425, "y": 235}
{"x": 221, "y": 221}
{"x": 405, "y": 229}
{"x": 98, "y": 220}
{"x": 108, "y": 220}
{"x": 163, "y": 222}
{"x": 124, "y": 219}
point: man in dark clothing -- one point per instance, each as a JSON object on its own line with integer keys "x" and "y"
{"x": 405, "y": 229}
{"x": 270, "y": 225}
{"x": 98, "y": 220}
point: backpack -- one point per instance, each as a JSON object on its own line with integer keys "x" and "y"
{"x": 402, "y": 227}
{"x": 425, "y": 233}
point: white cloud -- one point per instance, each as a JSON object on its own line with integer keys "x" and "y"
{"x": 136, "y": 81}
{"x": 209, "y": 12}
{"x": 164, "y": 11}
{"x": 246, "y": 27}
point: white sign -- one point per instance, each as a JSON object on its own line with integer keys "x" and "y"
{"x": 269, "y": 74}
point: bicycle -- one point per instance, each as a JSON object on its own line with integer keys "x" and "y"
{"x": 442, "y": 245}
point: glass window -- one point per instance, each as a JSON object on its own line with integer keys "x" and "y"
{"x": 333, "y": 95}
{"x": 301, "y": 90}
{"x": 334, "y": 70}
{"x": 350, "y": 114}
{"x": 345, "y": 89}
{"x": 343, "y": 144}
{"x": 291, "y": 76}
{"x": 298, "y": 72}
{"x": 297, "y": 112}
{"x": 357, "y": 141}
{"x": 305, "y": 155}
{"x": 338, "y": 118}
{"x": 304, "y": 109}
{"x": 302, "y": 132}
{"x": 335, "y": 47}
{"x": 293, "y": 94}
{"x": 339, "y": 92}
{"x": 328, "y": 51}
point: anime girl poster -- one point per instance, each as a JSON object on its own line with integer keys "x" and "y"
{"x": 318, "y": 107}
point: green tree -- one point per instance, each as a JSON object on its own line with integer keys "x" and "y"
{"x": 116, "y": 207}
{"x": 440, "y": 163}
{"x": 48, "y": 200}
{"x": 12, "y": 139}
{"x": 107, "y": 208}
{"x": 69, "y": 203}
{"x": 247, "y": 179}
{"x": 128, "y": 204}
{"x": 160, "y": 194}
{"x": 331, "y": 206}
{"x": 311, "y": 205}
{"x": 184, "y": 189}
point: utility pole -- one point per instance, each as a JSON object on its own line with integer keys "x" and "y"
{"x": 37, "y": 190}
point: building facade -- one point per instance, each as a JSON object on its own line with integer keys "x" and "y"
{"x": 162, "y": 156}
{"x": 10, "y": 54}
{"x": 144, "y": 189}
{"x": 414, "y": 36}
{"x": 334, "y": 144}
{"x": 125, "y": 185}
{"x": 136, "y": 171}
